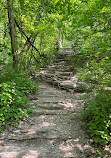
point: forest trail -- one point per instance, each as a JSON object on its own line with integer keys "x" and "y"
{"x": 54, "y": 130}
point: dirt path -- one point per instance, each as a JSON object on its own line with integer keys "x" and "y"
{"x": 54, "y": 130}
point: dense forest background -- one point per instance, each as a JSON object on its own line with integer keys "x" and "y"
{"x": 31, "y": 32}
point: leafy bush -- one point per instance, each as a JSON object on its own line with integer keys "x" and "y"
{"x": 12, "y": 103}
{"x": 96, "y": 72}
{"x": 97, "y": 115}
{"x": 15, "y": 85}
{"x": 21, "y": 78}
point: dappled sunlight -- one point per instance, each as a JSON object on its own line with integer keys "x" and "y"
{"x": 67, "y": 105}
{"x": 46, "y": 124}
{"x": 69, "y": 154}
{"x": 67, "y": 81}
{"x": 108, "y": 148}
{"x": 9, "y": 155}
{"x": 42, "y": 117}
{"x": 67, "y": 147}
{"x": 79, "y": 146}
{"x": 51, "y": 141}
{"x": 8, "y": 147}
{"x": 76, "y": 140}
{"x": 82, "y": 148}
{"x": 31, "y": 154}
{"x": 31, "y": 131}
{"x": 74, "y": 78}
{"x": 71, "y": 147}
{"x": 43, "y": 72}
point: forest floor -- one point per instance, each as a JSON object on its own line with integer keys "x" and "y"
{"x": 54, "y": 129}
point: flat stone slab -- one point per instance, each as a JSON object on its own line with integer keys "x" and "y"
{"x": 77, "y": 86}
{"x": 58, "y": 66}
{"x": 58, "y": 76}
{"x": 63, "y": 73}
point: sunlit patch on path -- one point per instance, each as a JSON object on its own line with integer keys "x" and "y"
{"x": 31, "y": 154}
{"x": 8, "y": 154}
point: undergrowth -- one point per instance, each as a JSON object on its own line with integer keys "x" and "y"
{"x": 95, "y": 68}
{"x": 97, "y": 115}
{"x": 15, "y": 86}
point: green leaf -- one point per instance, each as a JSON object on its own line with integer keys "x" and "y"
{"x": 21, "y": 3}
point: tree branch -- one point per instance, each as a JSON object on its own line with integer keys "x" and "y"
{"x": 28, "y": 39}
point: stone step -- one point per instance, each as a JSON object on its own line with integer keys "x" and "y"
{"x": 59, "y": 66}
{"x": 46, "y": 74}
{"x": 66, "y": 49}
{"x": 63, "y": 73}
{"x": 53, "y": 69}
{"x": 57, "y": 76}
{"x": 48, "y": 96}
{"x": 49, "y": 99}
{"x": 62, "y": 63}
{"x": 67, "y": 52}
{"x": 77, "y": 86}
{"x": 48, "y": 130}
{"x": 55, "y": 73}
{"x": 46, "y": 111}
{"x": 74, "y": 85}
{"x": 60, "y": 74}
{"x": 54, "y": 81}
{"x": 60, "y": 59}
{"x": 63, "y": 78}
{"x": 50, "y": 92}
{"x": 68, "y": 85}
{"x": 51, "y": 106}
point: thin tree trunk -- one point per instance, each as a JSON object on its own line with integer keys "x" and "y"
{"x": 12, "y": 33}
{"x": 4, "y": 37}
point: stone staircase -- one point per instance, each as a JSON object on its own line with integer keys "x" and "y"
{"x": 61, "y": 74}
{"x": 54, "y": 129}
{"x": 66, "y": 51}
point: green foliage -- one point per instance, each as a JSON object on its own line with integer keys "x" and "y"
{"x": 12, "y": 104}
{"x": 94, "y": 59}
{"x": 21, "y": 3}
{"x": 21, "y": 78}
{"x": 15, "y": 85}
{"x": 97, "y": 115}
{"x": 90, "y": 33}
{"x": 91, "y": 42}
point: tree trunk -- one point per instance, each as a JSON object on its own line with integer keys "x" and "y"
{"x": 4, "y": 37}
{"x": 12, "y": 33}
